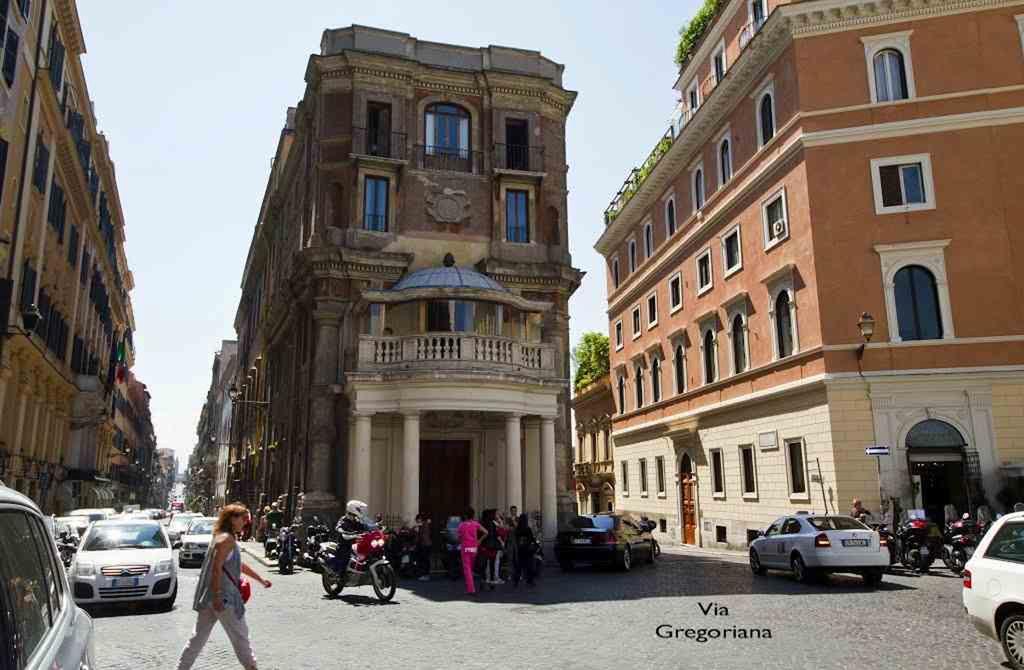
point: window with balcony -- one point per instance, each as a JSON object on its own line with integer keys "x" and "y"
{"x": 517, "y": 223}
{"x": 670, "y": 217}
{"x": 675, "y": 293}
{"x": 724, "y": 161}
{"x": 648, "y": 240}
{"x": 375, "y": 204}
{"x": 636, "y": 322}
{"x": 378, "y": 129}
{"x": 652, "y": 310}
{"x": 517, "y": 145}
{"x": 705, "y": 278}
{"x": 917, "y": 304}
{"x": 639, "y": 379}
{"x": 902, "y": 184}
{"x": 774, "y": 219}
{"x": 632, "y": 256}
{"x": 732, "y": 254}
{"x": 693, "y": 97}
{"x": 446, "y": 138}
{"x": 655, "y": 379}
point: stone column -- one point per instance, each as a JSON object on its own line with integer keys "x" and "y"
{"x": 410, "y": 467}
{"x": 548, "y": 487}
{"x": 360, "y": 469}
{"x": 319, "y": 495}
{"x": 513, "y": 462}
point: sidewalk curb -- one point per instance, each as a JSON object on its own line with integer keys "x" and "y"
{"x": 703, "y": 551}
{"x": 256, "y": 553}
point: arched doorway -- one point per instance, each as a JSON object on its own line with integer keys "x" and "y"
{"x": 935, "y": 451}
{"x": 688, "y": 499}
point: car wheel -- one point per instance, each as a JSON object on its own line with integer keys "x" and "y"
{"x": 653, "y": 550}
{"x": 873, "y": 577}
{"x": 1011, "y": 633}
{"x": 168, "y": 605}
{"x": 755, "y": 564}
{"x": 800, "y": 571}
{"x": 626, "y": 562}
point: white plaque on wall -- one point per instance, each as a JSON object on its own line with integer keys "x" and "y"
{"x": 769, "y": 440}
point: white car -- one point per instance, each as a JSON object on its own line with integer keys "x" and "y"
{"x": 40, "y": 626}
{"x": 993, "y": 589}
{"x": 122, "y": 560}
{"x": 179, "y": 524}
{"x": 196, "y": 541}
{"x": 812, "y": 544}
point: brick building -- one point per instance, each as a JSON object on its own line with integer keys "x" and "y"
{"x": 403, "y": 328}
{"x": 828, "y": 160}
{"x": 69, "y": 433}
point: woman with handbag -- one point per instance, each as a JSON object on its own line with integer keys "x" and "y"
{"x": 222, "y": 592}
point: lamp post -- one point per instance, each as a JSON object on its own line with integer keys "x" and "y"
{"x": 866, "y": 325}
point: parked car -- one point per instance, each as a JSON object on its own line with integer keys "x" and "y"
{"x": 195, "y": 541}
{"x": 606, "y": 539}
{"x": 124, "y": 560}
{"x": 993, "y": 591}
{"x": 811, "y": 545}
{"x": 179, "y": 524}
{"x": 30, "y": 575}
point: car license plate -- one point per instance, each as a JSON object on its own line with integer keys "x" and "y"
{"x": 581, "y": 540}
{"x": 122, "y": 582}
{"x": 855, "y": 543}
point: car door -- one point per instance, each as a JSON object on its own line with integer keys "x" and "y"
{"x": 788, "y": 539}
{"x": 1002, "y": 567}
{"x": 766, "y": 545}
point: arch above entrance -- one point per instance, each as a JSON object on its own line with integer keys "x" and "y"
{"x": 934, "y": 434}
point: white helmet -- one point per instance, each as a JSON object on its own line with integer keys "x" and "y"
{"x": 357, "y": 508}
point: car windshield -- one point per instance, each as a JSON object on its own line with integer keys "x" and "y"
{"x": 601, "y": 522}
{"x": 125, "y": 536}
{"x": 201, "y": 527}
{"x": 181, "y": 523}
{"x": 836, "y": 523}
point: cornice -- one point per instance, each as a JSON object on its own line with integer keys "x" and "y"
{"x": 807, "y": 19}
{"x": 70, "y": 26}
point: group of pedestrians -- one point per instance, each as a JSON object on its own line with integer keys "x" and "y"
{"x": 493, "y": 539}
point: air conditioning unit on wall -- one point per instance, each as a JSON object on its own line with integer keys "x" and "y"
{"x": 778, "y": 228}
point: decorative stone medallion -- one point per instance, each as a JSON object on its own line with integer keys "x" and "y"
{"x": 446, "y": 205}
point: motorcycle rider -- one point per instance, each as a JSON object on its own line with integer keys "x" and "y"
{"x": 354, "y": 523}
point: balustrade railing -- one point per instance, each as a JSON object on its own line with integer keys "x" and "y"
{"x": 450, "y": 159}
{"x": 375, "y": 142}
{"x": 594, "y": 468}
{"x": 427, "y": 350}
{"x": 519, "y": 157}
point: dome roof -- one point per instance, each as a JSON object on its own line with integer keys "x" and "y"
{"x": 448, "y": 276}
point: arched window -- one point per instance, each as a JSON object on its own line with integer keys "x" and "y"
{"x": 725, "y": 161}
{"x": 670, "y": 217}
{"x": 680, "y": 369}
{"x": 655, "y": 379}
{"x": 615, "y": 273}
{"x": 739, "y": 345}
{"x": 446, "y": 130}
{"x": 698, "y": 189}
{"x": 622, "y": 394}
{"x": 890, "y": 76}
{"x": 639, "y": 387}
{"x": 917, "y": 304}
{"x": 632, "y": 255}
{"x": 710, "y": 368}
{"x": 783, "y": 325}
{"x": 766, "y": 118}
{"x": 934, "y": 434}
{"x": 648, "y": 241}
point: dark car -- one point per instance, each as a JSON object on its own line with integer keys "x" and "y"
{"x": 605, "y": 539}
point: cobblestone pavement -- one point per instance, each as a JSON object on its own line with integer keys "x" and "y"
{"x": 594, "y": 617}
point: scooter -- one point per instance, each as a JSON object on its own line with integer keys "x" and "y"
{"x": 287, "y": 547}
{"x": 367, "y": 565}
{"x": 270, "y": 544}
{"x": 919, "y": 543}
{"x": 67, "y": 547}
{"x": 959, "y": 541}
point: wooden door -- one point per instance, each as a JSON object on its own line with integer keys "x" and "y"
{"x": 689, "y": 511}
{"x": 444, "y": 480}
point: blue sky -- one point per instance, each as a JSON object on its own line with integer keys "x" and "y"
{"x": 191, "y": 95}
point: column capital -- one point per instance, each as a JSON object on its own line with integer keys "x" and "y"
{"x": 410, "y": 414}
{"x": 514, "y": 416}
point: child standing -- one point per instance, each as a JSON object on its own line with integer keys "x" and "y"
{"x": 470, "y": 533}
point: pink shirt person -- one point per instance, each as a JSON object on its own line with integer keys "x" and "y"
{"x": 469, "y": 533}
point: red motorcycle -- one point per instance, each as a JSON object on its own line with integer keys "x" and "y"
{"x": 367, "y": 566}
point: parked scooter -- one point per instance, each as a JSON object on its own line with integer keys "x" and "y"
{"x": 67, "y": 545}
{"x": 959, "y": 541}
{"x": 919, "y": 543}
{"x": 287, "y": 548}
{"x": 270, "y": 543}
{"x": 317, "y": 532}
{"x": 367, "y": 565}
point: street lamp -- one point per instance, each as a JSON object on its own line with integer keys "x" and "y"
{"x": 866, "y": 325}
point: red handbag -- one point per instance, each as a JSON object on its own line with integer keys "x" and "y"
{"x": 244, "y": 587}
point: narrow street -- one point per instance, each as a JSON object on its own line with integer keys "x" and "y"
{"x": 599, "y": 618}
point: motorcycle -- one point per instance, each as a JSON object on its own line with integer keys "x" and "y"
{"x": 959, "y": 541}
{"x": 287, "y": 548}
{"x": 316, "y": 533}
{"x": 270, "y": 543}
{"x": 367, "y": 565}
{"x": 919, "y": 542}
{"x": 67, "y": 547}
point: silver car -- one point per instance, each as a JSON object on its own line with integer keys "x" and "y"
{"x": 40, "y": 626}
{"x": 813, "y": 544}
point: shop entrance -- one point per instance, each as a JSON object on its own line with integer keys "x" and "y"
{"x": 444, "y": 479}
{"x": 935, "y": 451}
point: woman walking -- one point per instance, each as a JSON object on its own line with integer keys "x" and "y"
{"x": 218, "y": 595}
{"x": 526, "y": 545}
{"x": 470, "y": 533}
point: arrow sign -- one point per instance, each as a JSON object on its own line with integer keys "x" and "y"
{"x": 876, "y": 451}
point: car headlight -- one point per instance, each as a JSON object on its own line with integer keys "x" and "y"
{"x": 85, "y": 569}
{"x": 164, "y": 566}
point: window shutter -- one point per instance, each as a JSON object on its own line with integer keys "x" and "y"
{"x": 429, "y": 139}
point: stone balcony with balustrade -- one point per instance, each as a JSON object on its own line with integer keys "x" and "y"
{"x": 593, "y": 469}
{"x": 456, "y": 352}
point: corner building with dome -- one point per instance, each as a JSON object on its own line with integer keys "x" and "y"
{"x": 403, "y": 328}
